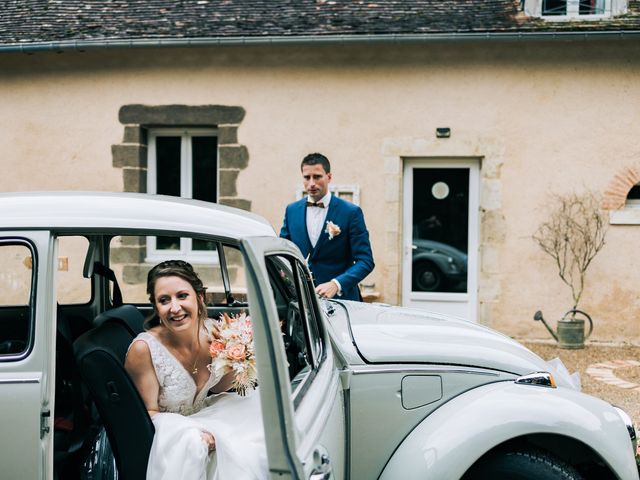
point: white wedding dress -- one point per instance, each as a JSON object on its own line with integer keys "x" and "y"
{"x": 178, "y": 451}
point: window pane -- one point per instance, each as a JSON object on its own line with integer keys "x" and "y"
{"x": 168, "y": 166}
{"x": 168, "y": 243}
{"x": 204, "y": 158}
{"x": 292, "y": 318}
{"x": 634, "y": 193}
{"x": 311, "y": 324}
{"x": 440, "y": 229}
{"x": 236, "y": 272}
{"x": 73, "y": 288}
{"x": 16, "y": 278}
{"x": 128, "y": 259}
{"x": 554, "y": 7}
{"x": 591, "y": 7}
{"x": 198, "y": 244}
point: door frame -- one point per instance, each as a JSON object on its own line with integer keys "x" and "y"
{"x": 459, "y": 304}
{"x": 27, "y": 380}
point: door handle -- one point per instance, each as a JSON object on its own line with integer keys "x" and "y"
{"x": 323, "y": 471}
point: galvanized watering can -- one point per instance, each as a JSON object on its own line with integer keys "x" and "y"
{"x": 570, "y": 328}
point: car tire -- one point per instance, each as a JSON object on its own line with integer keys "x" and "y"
{"x": 522, "y": 465}
{"x": 427, "y": 278}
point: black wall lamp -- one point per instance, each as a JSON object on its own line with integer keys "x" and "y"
{"x": 443, "y": 132}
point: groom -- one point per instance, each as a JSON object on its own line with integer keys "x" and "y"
{"x": 329, "y": 232}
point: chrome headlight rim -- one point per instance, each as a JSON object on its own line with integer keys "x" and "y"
{"x": 630, "y": 427}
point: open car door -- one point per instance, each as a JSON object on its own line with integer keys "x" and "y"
{"x": 300, "y": 389}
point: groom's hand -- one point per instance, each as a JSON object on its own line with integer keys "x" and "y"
{"x": 327, "y": 290}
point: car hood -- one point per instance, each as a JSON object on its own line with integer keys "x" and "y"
{"x": 386, "y": 334}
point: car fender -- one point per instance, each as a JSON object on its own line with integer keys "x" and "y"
{"x": 447, "y": 442}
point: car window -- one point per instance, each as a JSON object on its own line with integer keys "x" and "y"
{"x": 222, "y": 271}
{"x": 16, "y": 298}
{"x": 295, "y": 301}
{"x": 73, "y": 288}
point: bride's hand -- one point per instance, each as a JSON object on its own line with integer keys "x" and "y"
{"x": 209, "y": 440}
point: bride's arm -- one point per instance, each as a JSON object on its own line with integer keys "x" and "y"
{"x": 140, "y": 368}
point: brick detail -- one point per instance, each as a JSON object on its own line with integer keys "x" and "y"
{"x": 180, "y": 115}
{"x": 241, "y": 203}
{"x": 134, "y": 179}
{"x": 228, "y": 180}
{"x": 235, "y": 156}
{"x": 135, "y": 134}
{"x": 227, "y": 134}
{"x": 616, "y": 193}
{"x": 129, "y": 155}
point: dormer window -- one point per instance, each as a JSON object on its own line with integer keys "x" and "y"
{"x": 558, "y": 10}
{"x": 573, "y": 7}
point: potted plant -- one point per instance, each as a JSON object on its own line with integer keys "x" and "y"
{"x": 573, "y": 235}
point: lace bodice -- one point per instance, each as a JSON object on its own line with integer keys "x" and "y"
{"x": 178, "y": 390}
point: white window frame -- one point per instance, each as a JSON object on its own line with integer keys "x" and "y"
{"x": 339, "y": 191}
{"x": 186, "y": 190}
{"x": 627, "y": 215}
{"x": 611, "y": 8}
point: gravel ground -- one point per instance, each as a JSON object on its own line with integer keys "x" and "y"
{"x": 579, "y": 360}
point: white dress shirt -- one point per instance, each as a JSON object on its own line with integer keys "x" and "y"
{"x": 315, "y": 225}
{"x": 316, "y": 217}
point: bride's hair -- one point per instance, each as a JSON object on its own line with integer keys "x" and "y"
{"x": 174, "y": 268}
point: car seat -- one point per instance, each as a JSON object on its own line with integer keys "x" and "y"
{"x": 100, "y": 355}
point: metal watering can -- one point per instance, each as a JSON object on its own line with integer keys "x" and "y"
{"x": 570, "y": 329}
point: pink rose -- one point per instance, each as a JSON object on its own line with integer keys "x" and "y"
{"x": 216, "y": 348}
{"x": 238, "y": 352}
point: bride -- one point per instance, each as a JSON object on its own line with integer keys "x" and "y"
{"x": 202, "y": 431}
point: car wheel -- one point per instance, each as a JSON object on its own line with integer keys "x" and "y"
{"x": 427, "y": 278}
{"x": 522, "y": 465}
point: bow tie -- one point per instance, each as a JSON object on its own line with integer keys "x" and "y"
{"x": 315, "y": 204}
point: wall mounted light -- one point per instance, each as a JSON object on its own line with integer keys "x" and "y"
{"x": 443, "y": 132}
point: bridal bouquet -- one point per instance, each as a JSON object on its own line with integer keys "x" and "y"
{"x": 233, "y": 347}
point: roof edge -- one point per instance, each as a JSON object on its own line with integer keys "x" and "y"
{"x": 291, "y": 40}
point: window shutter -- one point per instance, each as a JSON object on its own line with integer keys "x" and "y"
{"x": 533, "y": 8}
{"x": 618, "y": 7}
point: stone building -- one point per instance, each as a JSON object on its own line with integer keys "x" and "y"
{"x": 450, "y": 122}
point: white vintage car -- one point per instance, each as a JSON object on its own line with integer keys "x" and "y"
{"x": 349, "y": 390}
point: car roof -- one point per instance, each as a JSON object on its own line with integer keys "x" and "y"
{"x": 88, "y": 211}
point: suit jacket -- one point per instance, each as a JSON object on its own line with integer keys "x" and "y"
{"x": 346, "y": 257}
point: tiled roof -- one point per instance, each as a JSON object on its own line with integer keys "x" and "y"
{"x": 35, "y": 21}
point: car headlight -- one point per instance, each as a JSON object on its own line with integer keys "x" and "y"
{"x": 629, "y": 424}
{"x": 539, "y": 379}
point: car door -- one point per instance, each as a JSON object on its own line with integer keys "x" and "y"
{"x": 26, "y": 354}
{"x": 298, "y": 373}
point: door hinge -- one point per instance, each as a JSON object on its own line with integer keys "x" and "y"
{"x": 44, "y": 423}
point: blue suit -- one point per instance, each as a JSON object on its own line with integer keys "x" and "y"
{"x": 346, "y": 257}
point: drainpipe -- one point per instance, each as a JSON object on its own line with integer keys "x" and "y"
{"x": 298, "y": 40}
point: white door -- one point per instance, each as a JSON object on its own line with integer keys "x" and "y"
{"x": 440, "y": 235}
{"x": 26, "y": 358}
{"x": 300, "y": 388}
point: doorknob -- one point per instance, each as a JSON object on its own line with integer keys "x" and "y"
{"x": 322, "y": 471}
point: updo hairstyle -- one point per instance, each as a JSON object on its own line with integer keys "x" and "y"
{"x": 175, "y": 268}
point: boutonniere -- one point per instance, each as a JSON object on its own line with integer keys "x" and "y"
{"x": 332, "y": 230}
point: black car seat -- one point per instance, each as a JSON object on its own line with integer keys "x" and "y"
{"x": 71, "y": 414}
{"x": 100, "y": 355}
